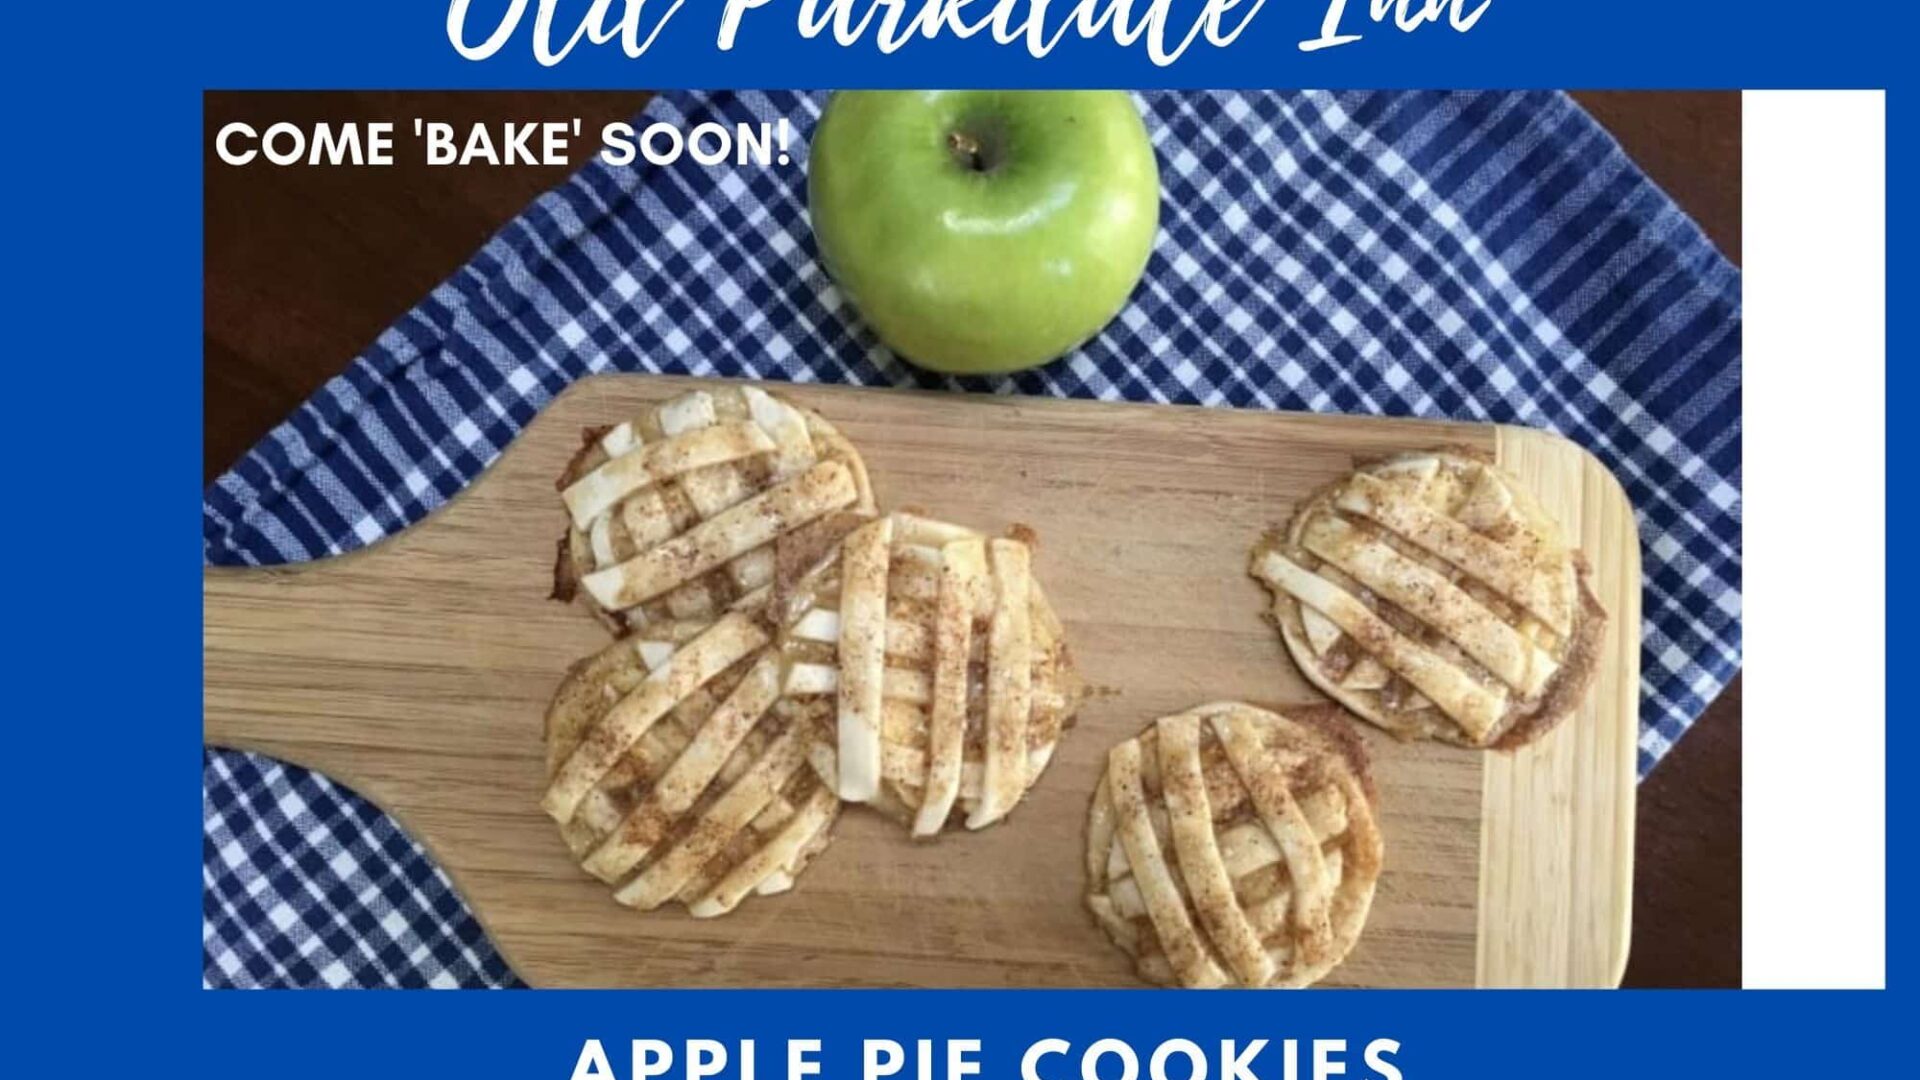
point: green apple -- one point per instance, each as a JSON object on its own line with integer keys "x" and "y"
{"x": 983, "y": 230}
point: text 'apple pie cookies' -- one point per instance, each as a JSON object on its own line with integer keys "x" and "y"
{"x": 946, "y": 668}
{"x": 1430, "y": 594}
{"x": 1232, "y": 846}
{"x": 679, "y": 771}
{"x": 679, "y": 513}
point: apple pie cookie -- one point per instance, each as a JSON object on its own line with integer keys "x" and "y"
{"x": 679, "y": 513}
{"x": 678, "y": 771}
{"x": 1232, "y": 846}
{"x": 945, "y": 669}
{"x": 1430, "y": 594}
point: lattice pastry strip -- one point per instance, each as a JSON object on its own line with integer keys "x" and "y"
{"x": 679, "y": 771}
{"x": 1432, "y": 595}
{"x": 946, "y": 667}
{"x": 679, "y": 513}
{"x": 1228, "y": 845}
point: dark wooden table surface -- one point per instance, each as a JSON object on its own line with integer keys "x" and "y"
{"x": 304, "y": 266}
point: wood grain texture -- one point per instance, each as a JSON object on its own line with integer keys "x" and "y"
{"x": 1563, "y": 872}
{"x": 417, "y": 671}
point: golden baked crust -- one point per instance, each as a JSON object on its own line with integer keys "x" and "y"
{"x": 1430, "y": 594}
{"x": 678, "y": 771}
{"x": 1233, "y": 846}
{"x": 680, "y": 512}
{"x": 946, "y": 669}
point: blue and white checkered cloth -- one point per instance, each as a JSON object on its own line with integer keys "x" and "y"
{"x": 1472, "y": 256}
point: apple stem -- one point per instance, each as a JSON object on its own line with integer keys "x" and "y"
{"x": 966, "y": 149}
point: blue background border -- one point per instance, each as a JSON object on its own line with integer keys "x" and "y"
{"x": 1517, "y": 43}
{"x": 105, "y": 239}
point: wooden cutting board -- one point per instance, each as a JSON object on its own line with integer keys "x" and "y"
{"x": 417, "y": 671}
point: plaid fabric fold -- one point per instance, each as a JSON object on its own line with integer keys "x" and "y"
{"x": 1478, "y": 256}
{"x": 306, "y": 884}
